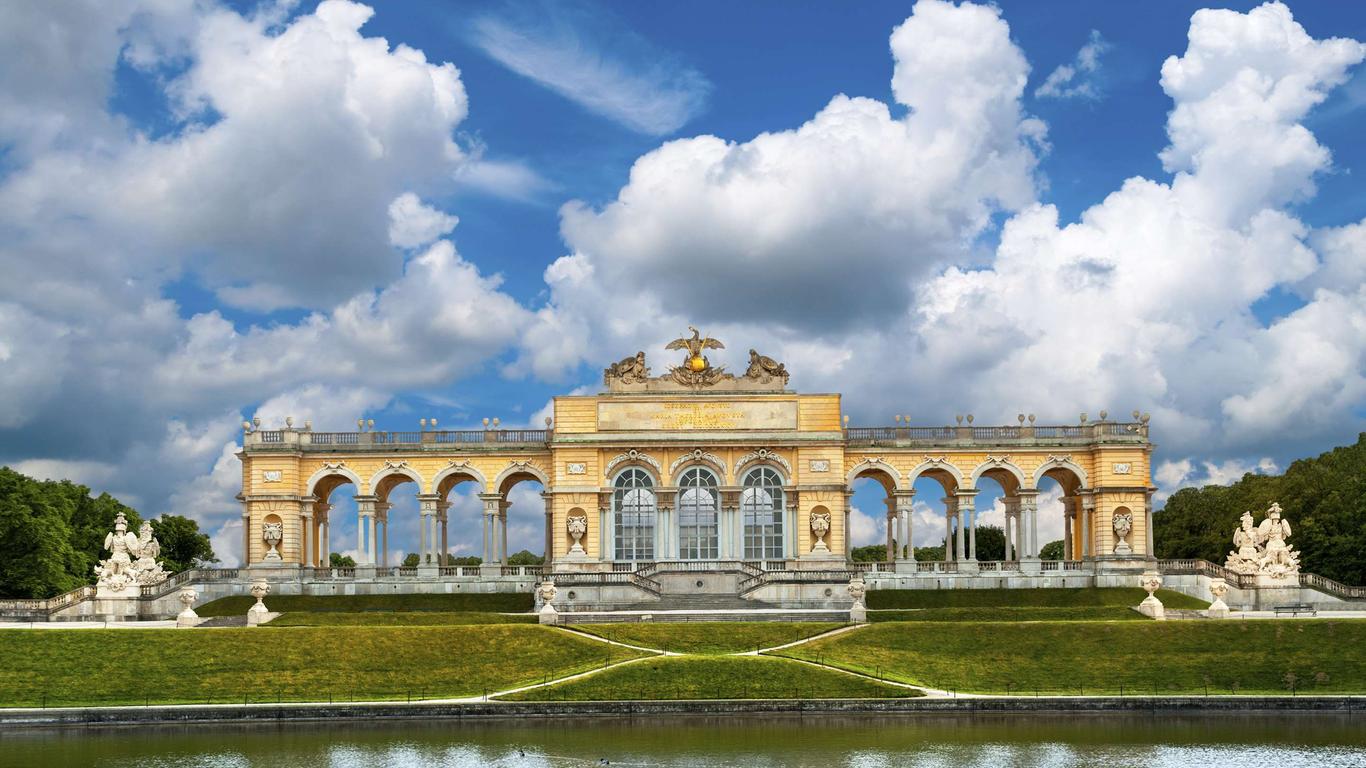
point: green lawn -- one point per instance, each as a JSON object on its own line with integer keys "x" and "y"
{"x": 1024, "y": 598}
{"x": 714, "y": 677}
{"x": 398, "y": 619}
{"x": 1325, "y": 655}
{"x": 710, "y": 637}
{"x": 1085, "y": 613}
{"x": 461, "y": 603}
{"x": 111, "y": 666}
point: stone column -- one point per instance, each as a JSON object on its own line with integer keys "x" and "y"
{"x": 324, "y": 515}
{"x": 503, "y": 531}
{"x": 549, "y": 499}
{"x": 443, "y": 509}
{"x": 1029, "y": 531}
{"x": 955, "y": 513}
{"x": 967, "y": 517}
{"x": 492, "y": 502}
{"x": 306, "y": 540}
{"x": 427, "y": 504}
{"x": 1088, "y": 517}
{"x": 792, "y": 533}
{"x": 948, "y": 529}
{"x": 891, "y": 529}
{"x": 365, "y": 530}
{"x": 1069, "y": 521}
{"x": 1012, "y": 508}
{"x": 246, "y": 535}
{"x": 904, "y": 506}
{"x": 381, "y": 523}
{"x": 1148, "y": 549}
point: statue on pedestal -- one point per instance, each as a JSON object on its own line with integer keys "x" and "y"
{"x": 1123, "y": 524}
{"x": 148, "y": 570}
{"x": 1151, "y": 606}
{"x": 117, "y": 573}
{"x": 1263, "y": 549}
{"x": 545, "y": 595}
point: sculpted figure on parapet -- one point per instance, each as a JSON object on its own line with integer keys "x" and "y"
{"x": 630, "y": 370}
{"x": 1263, "y": 549}
{"x": 765, "y": 368}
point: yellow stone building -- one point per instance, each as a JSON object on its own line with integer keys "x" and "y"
{"x": 701, "y": 471}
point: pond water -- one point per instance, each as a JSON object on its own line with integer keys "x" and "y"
{"x": 1218, "y": 740}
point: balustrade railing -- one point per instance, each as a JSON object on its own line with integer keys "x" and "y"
{"x": 44, "y": 607}
{"x": 333, "y": 440}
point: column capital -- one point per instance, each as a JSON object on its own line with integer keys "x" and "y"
{"x": 366, "y": 506}
{"x": 492, "y": 503}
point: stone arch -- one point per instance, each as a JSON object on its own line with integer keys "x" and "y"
{"x": 940, "y": 469}
{"x": 1004, "y": 471}
{"x": 877, "y": 469}
{"x": 763, "y": 456}
{"x": 638, "y": 459}
{"x": 698, "y": 458}
{"x": 517, "y": 472}
{"x": 329, "y": 478}
{"x": 393, "y": 474}
{"x": 459, "y": 472}
{"x": 1060, "y": 468}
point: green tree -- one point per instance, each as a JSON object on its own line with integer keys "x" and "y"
{"x": 873, "y": 553}
{"x": 929, "y": 554}
{"x": 36, "y": 556}
{"x": 1324, "y": 499}
{"x": 412, "y": 560}
{"x": 991, "y": 543}
{"x": 182, "y": 545}
{"x": 1051, "y": 551}
{"x": 467, "y": 560}
{"x": 525, "y": 558}
{"x": 337, "y": 560}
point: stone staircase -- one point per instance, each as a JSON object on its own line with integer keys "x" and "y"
{"x": 665, "y": 616}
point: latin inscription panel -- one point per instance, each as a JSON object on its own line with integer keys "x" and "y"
{"x": 723, "y": 415}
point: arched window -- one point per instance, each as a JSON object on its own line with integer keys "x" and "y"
{"x": 761, "y": 503}
{"x": 698, "y": 509}
{"x": 633, "y": 505}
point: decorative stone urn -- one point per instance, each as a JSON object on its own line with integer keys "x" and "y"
{"x": 1218, "y": 609}
{"x": 577, "y": 526}
{"x": 858, "y": 612}
{"x": 820, "y": 526}
{"x": 1123, "y": 524}
{"x": 1151, "y": 606}
{"x": 187, "y": 617}
{"x": 546, "y": 593}
{"x": 273, "y": 534}
{"x": 258, "y": 613}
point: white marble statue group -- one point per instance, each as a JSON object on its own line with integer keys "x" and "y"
{"x": 1262, "y": 549}
{"x": 132, "y": 559}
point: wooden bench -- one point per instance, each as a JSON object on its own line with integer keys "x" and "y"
{"x": 1295, "y": 610}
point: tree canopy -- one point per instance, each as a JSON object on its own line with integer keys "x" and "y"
{"x": 1323, "y": 498}
{"x": 52, "y": 535}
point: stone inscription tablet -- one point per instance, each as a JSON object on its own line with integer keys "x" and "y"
{"x": 725, "y": 414}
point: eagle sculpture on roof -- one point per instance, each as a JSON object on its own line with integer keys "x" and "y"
{"x": 695, "y": 361}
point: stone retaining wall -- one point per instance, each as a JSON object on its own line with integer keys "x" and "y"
{"x": 19, "y": 718}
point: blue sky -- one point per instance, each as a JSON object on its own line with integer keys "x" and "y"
{"x": 193, "y": 190}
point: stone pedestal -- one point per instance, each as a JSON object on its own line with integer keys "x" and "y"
{"x": 259, "y": 614}
{"x": 429, "y": 571}
{"x": 1029, "y": 565}
{"x": 548, "y": 614}
{"x": 187, "y": 618}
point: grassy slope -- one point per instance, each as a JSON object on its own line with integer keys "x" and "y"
{"x": 1088, "y": 613}
{"x": 1099, "y": 656}
{"x": 92, "y": 666}
{"x": 710, "y": 637}
{"x": 714, "y": 677}
{"x": 1024, "y": 598}
{"x": 398, "y": 619}
{"x": 238, "y": 604}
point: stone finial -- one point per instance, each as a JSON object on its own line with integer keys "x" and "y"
{"x": 1020, "y": 418}
{"x": 958, "y": 417}
{"x": 370, "y": 424}
{"x": 548, "y": 422}
{"x": 898, "y": 418}
{"x": 1104, "y": 415}
{"x": 1031, "y": 419}
{"x": 969, "y": 418}
{"x": 422, "y": 424}
{"x": 1083, "y": 418}
{"x": 486, "y": 422}
{"x": 289, "y": 422}
{"x": 246, "y": 426}
{"x": 256, "y": 421}
{"x": 433, "y": 423}
{"x": 496, "y": 422}
{"x": 1135, "y": 414}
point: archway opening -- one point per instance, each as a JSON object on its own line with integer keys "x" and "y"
{"x": 872, "y": 531}
{"x": 524, "y": 523}
{"x": 1061, "y": 517}
{"x": 333, "y": 523}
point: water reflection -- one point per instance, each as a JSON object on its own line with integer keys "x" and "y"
{"x": 1139, "y": 739}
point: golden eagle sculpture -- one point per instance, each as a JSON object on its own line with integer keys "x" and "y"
{"x": 695, "y": 361}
